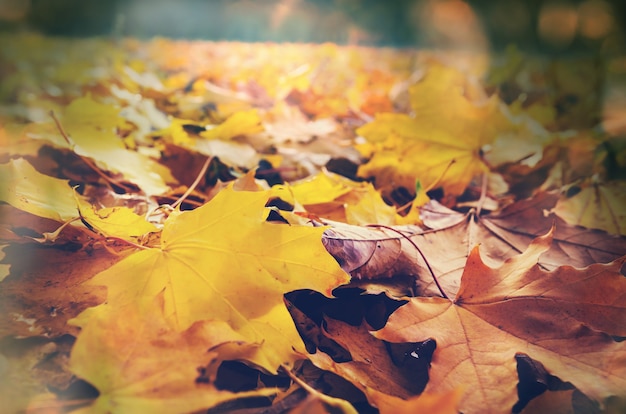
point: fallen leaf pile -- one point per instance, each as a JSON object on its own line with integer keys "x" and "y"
{"x": 231, "y": 227}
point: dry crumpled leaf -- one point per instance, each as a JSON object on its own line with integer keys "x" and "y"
{"x": 379, "y": 252}
{"x": 371, "y": 366}
{"x": 144, "y": 364}
{"x": 367, "y": 252}
{"x": 224, "y": 261}
{"x": 562, "y": 318}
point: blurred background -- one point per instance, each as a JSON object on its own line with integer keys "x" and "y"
{"x": 543, "y": 26}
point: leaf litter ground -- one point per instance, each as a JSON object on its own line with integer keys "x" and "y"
{"x": 192, "y": 226}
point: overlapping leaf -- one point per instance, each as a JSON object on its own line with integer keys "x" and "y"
{"x": 559, "y": 318}
{"x": 215, "y": 277}
{"x": 368, "y": 253}
{"x": 146, "y": 365}
{"x": 223, "y": 261}
{"x": 440, "y": 143}
{"x": 91, "y": 126}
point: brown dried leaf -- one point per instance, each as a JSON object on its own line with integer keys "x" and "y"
{"x": 44, "y": 289}
{"x": 368, "y": 253}
{"x": 562, "y": 318}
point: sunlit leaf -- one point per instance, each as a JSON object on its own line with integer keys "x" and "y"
{"x": 223, "y": 261}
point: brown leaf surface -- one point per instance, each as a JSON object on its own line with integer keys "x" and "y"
{"x": 371, "y": 365}
{"x": 551, "y": 402}
{"x": 45, "y": 288}
{"x": 379, "y": 252}
{"x": 426, "y": 403}
{"x": 562, "y": 318}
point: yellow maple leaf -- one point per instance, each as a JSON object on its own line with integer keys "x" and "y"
{"x": 440, "y": 142}
{"x": 177, "y": 131}
{"x": 224, "y": 261}
{"x": 370, "y": 208}
{"x": 239, "y": 123}
{"x": 337, "y": 198}
{"x": 140, "y": 364}
{"x": 321, "y": 188}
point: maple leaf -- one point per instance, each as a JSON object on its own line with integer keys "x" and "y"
{"x": 440, "y": 143}
{"x": 319, "y": 189}
{"x": 223, "y": 261}
{"x": 240, "y": 123}
{"x": 145, "y": 365}
{"x": 562, "y": 318}
{"x": 334, "y": 197}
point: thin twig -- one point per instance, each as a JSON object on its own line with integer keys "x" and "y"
{"x": 195, "y": 183}
{"x": 301, "y": 383}
{"x": 430, "y": 269}
{"x": 430, "y": 187}
{"x": 443, "y": 173}
{"x": 62, "y": 131}
{"x": 51, "y": 406}
{"x": 130, "y": 243}
{"x": 105, "y": 239}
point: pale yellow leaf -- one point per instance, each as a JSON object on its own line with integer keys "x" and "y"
{"x": 23, "y": 187}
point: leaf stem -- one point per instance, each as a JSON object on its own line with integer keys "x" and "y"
{"x": 97, "y": 237}
{"x": 130, "y": 243}
{"x": 52, "y": 236}
{"x": 483, "y": 194}
{"x": 298, "y": 381}
{"x": 430, "y": 269}
{"x": 195, "y": 183}
{"x": 443, "y": 173}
